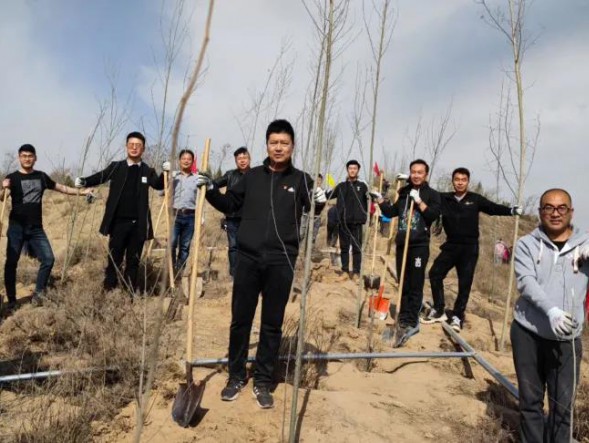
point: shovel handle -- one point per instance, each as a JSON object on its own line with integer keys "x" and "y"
{"x": 3, "y": 209}
{"x": 169, "y": 248}
{"x": 404, "y": 261}
{"x": 197, "y": 228}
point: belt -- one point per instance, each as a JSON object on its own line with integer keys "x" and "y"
{"x": 183, "y": 211}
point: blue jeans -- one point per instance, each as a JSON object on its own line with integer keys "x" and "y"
{"x": 39, "y": 244}
{"x": 232, "y": 228}
{"x": 183, "y": 232}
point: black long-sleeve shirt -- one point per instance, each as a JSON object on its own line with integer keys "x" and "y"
{"x": 352, "y": 201}
{"x": 460, "y": 218}
{"x": 229, "y": 180}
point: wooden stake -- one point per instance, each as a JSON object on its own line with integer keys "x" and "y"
{"x": 3, "y": 209}
{"x": 404, "y": 262}
{"x": 169, "y": 250}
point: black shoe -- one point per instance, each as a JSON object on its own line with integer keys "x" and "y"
{"x": 37, "y": 300}
{"x": 433, "y": 316}
{"x": 263, "y": 397}
{"x": 232, "y": 389}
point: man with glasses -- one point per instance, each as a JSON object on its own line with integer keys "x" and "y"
{"x": 552, "y": 271}
{"x": 127, "y": 219}
{"x": 460, "y": 218}
{"x": 26, "y": 187}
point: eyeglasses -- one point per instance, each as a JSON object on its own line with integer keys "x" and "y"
{"x": 549, "y": 209}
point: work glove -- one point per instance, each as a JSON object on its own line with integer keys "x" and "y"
{"x": 6, "y": 183}
{"x": 414, "y": 194}
{"x": 375, "y": 196}
{"x": 580, "y": 256}
{"x": 401, "y": 176}
{"x": 80, "y": 182}
{"x": 517, "y": 210}
{"x": 561, "y": 322}
{"x": 203, "y": 179}
{"x": 319, "y": 196}
{"x": 175, "y": 174}
{"x": 166, "y": 166}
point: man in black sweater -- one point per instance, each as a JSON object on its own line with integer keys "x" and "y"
{"x": 272, "y": 198}
{"x": 460, "y": 218}
{"x": 127, "y": 219}
{"x": 426, "y": 209}
{"x": 232, "y": 219}
{"x": 352, "y": 211}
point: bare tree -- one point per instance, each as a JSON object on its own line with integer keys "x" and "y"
{"x": 440, "y": 132}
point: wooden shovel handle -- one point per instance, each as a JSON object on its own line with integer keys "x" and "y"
{"x": 195, "y": 252}
{"x": 3, "y": 209}
{"x": 168, "y": 232}
{"x": 404, "y": 261}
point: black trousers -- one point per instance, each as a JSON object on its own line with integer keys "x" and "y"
{"x": 125, "y": 242}
{"x": 412, "y": 293}
{"x": 273, "y": 282}
{"x": 351, "y": 235}
{"x": 541, "y": 365}
{"x": 464, "y": 258}
{"x": 332, "y": 234}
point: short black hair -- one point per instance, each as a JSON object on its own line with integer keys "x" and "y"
{"x": 419, "y": 162}
{"x": 27, "y": 148}
{"x": 548, "y": 191}
{"x": 136, "y": 134}
{"x": 462, "y": 171}
{"x": 280, "y": 126}
{"x": 239, "y": 151}
{"x": 319, "y": 176}
{"x": 186, "y": 151}
{"x": 352, "y": 162}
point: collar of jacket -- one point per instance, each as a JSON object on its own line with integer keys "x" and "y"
{"x": 288, "y": 169}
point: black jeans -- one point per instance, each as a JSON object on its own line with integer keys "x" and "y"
{"x": 541, "y": 365}
{"x": 464, "y": 258}
{"x": 412, "y": 293}
{"x": 232, "y": 228}
{"x": 125, "y": 242}
{"x": 332, "y": 234}
{"x": 351, "y": 235}
{"x": 37, "y": 241}
{"x": 273, "y": 282}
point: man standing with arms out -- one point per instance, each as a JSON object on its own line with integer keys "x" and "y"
{"x": 552, "y": 272}
{"x": 426, "y": 209}
{"x": 272, "y": 198}
{"x": 460, "y": 218}
{"x": 127, "y": 219}
{"x": 232, "y": 220}
{"x": 352, "y": 210}
{"x": 25, "y": 223}
{"x": 184, "y": 203}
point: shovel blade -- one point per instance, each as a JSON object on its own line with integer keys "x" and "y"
{"x": 187, "y": 402}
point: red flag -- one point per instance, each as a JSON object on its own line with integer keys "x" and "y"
{"x": 194, "y": 167}
{"x": 377, "y": 171}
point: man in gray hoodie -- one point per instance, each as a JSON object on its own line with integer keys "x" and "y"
{"x": 552, "y": 271}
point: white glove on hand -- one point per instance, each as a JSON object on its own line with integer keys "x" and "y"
{"x": 166, "y": 166}
{"x": 580, "y": 257}
{"x": 414, "y": 194}
{"x": 375, "y": 196}
{"x": 517, "y": 210}
{"x": 561, "y": 322}
{"x": 319, "y": 196}
{"x": 204, "y": 180}
{"x": 401, "y": 176}
{"x": 80, "y": 182}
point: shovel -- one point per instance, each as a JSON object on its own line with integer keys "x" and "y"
{"x": 189, "y": 395}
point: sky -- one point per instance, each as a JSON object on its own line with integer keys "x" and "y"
{"x": 60, "y": 58}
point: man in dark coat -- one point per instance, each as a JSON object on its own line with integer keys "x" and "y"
{"x": 127, "y": 219}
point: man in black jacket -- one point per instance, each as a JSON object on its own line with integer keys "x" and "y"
{"x": 426, "y": 209}
{"x": 232, "y": 219}
{"x": 272, "y": 198}
{"x": 127, "y": 219}
{"x": 352, "y": 210}
{"x": 460, "y": 218}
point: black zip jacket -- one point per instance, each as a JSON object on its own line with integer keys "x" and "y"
{"x": 461, "y": 218}
{"x": 271, "y": 206}
{"x": 421, "y": 221}
{"x": 229, "y": 180}
{"x": 116, "y": 172}
{"x": 352, "y": 201}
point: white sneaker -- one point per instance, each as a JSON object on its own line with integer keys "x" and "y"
{"x": 456, "y": 324}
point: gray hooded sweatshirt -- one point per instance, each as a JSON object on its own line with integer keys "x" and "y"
{"x": 547, "y": 277}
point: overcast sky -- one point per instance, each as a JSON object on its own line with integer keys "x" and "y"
{"x": 56, "y": 56}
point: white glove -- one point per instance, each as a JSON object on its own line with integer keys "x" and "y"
{"x": 175, "y": 174}
{"x": 375, "y": 196}
{"x": 561, "y": 322}
{"x": 517, "y": 210}
{"x": 319, "y": 196}
{"x": 204, "y": 180}
{"x": 580, "y": 256}
{"x": 401, "y": 176}
{"x": 414, "y": 194}
{"x": 80, "y": 182}
{"x": 166, "y": 166}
